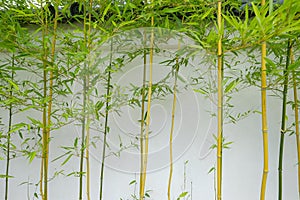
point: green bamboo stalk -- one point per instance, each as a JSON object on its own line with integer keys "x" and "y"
{"x": 10, "y": 118}
{"x": 264, "y": 116}
{"x": 172, "y": 128}
{"x": 143, "y": 113}
{"x": 83, "y": 125}
{"x": 296, "y": 110}
{"x": 88, "y": 155}
{"x": 283, "y": 118}
{"x": 220, "y": 105}
{"x": 108, "y": 98}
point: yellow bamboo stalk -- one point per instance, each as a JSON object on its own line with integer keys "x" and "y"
{"x": 296, "y": 110}
{"x": 50, "y": 101}
{"x": 220, "y": 104}
{"x": 142, "y": 116}
{"x": 146, "y": 144}
{"x": 264, "y": 121}
{"x": 264, "y": 116}
{"x": 172, "y": 127}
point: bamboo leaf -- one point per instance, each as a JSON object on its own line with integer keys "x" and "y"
{"x": 105, "y": 11}
{"x": 67, "y": 159}
{"x": 211, "y": 170}
{"x": 231, "y": 86}
{"x": 17, "y": 127}
{"x": 12, "y": 83}
{"x": 182, "y": 195}
{"x": 200, "y": 90}
{"x": 171, "y": 10}
{"x": 4, "y": 176}
{"x": 132, "y": 182}
{"x": 31, "y": 156}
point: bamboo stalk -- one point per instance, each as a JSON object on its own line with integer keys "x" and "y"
{"x": 50, "y": 101}
{"x": 83, "y": 128}
{"x": 142, "y": 117}
{"x": 283, "y": 118}
{"x": 82, "y": 138}
{"x": 88, "y": 115}
{"x": 220, "y": 105}
{"x": 296, "y": 110}
{"x": 172, "y": 127}
{"x": 146, "y": 143}
{"x": 44, "y": 171}
{"x": 88, "y": 157}
{"x": 264, "y": 122}
{"x": 108, "y": 98}
{"x": 264, "y": 117}
{"x": 10, "y": 118}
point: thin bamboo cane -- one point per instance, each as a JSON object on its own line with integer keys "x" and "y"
{"x": 83, "y": 125}
{"x": 88, "y": 156}
{"x": 296, "y": 110}
{"x": 82, "y": 138}
{"x": 146, "y": 144}
{"x": 44, "y": 171}
{"x": 88, "y": 115}
{"x": 10, "y": 118}
{"x": 172, "y": 127}
{"x": 220, "y": 105}
{"x": 142, "y": 116}
{"x": 50, "y": 101}
{"x": 264, "y": 117}
{"x": 283, "y": 118}
{"x": 108, "y": 98}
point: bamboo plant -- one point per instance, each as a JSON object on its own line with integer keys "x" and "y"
{"x": 85, "y": 132}
{"x": 47, "y": 92}
{"x": 11, "y": 82}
